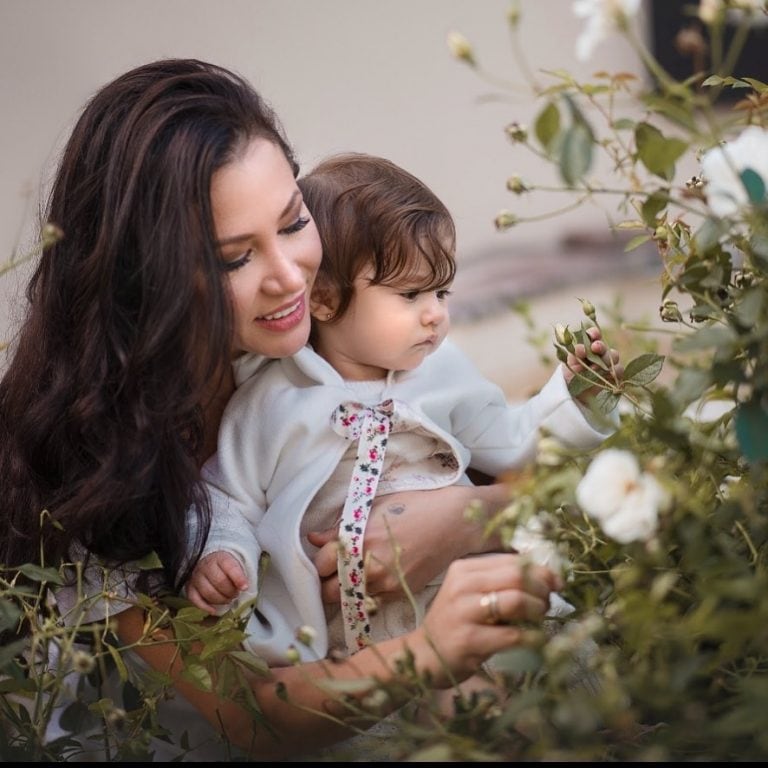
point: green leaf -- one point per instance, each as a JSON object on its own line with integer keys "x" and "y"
{"x": 575, "y": 154}
{"x": 691, "y": 384}
{"x": 758, "y": 85}
{"x": 708, "y": 235}
{"x": 9, "y": 615}
{"x": 198, "y": 675}
{"x": 251, "y": 662}
{"x": 517, "y": 660}
{"x": 706, "y": 338}
{"x": 652, "y": 206}
{"x": 643, "y": 369}
{"x": 677, "y": 110}
{"x": 9, "y": 652}
{"x": 547, "y": 126}
{"x": 752, "y": 431}
{"x": 656, "y": 152}
{"x": 582, "y": 381}
{"x": 36, "y": 573}
{"x": 754, "y": 185}
{"x": 734, "y": 82}
{"x": 636, "y": 242}
{"x": 191, "y": 613}
{"x": 75, "y": 717}
{"x": 122, "y": 670}
{"x": 222, "y": 642}
{"x": 750, "y": 306}
{"x": 149, "y": 562}
{"x": 605, "y": 401}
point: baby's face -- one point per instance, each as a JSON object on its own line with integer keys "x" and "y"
{"x": 387, "y": 327}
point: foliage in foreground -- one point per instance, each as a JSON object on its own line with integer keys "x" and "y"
{"x": 664, "y": 531}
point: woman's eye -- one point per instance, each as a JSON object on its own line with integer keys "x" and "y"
{"x": 297, "y": 226}
{"x": 234, "y": 264}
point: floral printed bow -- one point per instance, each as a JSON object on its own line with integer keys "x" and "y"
{"x": 370, "y": 426}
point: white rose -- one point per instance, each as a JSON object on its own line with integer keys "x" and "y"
{"x": 638, "y": 517}
{"x": 604, "y": 487}
{"x": 602, "y": 16}
{"x": 625, "y": 501}
{"x": 529, "y": 540}
{"x": 721, "y": 168}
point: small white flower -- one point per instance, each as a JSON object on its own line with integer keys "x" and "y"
{"x": 83, "y": 662}
{"x": 460, "y": 47}
{"x": 709, "y": 10}
{"x": 602, "y": 16}
{"x": 721, "y": 168}
{"x": 529, "y": 540}
{"x": 550, "y": 452}
{"x": 306, "y": 635}
{"x": 622, "y": 498}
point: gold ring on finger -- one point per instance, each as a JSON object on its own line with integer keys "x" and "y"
{"x": 490, "y": 602}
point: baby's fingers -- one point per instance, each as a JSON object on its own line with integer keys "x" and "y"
{"x": 196, "y": 598}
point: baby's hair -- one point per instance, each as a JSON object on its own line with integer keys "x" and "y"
{"x": 372, "y": 213}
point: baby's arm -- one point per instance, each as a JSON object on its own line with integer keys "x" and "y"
{"x": 218, "y": 578}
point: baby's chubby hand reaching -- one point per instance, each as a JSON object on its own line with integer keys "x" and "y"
{"x": 585, "y": 351}
{"x": 578, "y": 361}
{"x": 216, "y": 581}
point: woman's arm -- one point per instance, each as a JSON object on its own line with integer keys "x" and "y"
{"x": 454, "y": 639}
{"x": 431, "y": 529}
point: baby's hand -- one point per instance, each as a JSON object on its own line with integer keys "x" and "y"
{"x": 216, "y": 580}
{"x": 610, "y": 370}
{"x": 576, "y": 358}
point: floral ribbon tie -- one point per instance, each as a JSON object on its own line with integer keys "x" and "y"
{"x": 369, "y": 426}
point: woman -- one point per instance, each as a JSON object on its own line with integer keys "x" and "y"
{"x": 186, "y": 243}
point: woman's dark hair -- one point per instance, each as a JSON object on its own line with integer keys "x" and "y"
{"x": 371, "y": 212}
{"x": 128, "y": 327}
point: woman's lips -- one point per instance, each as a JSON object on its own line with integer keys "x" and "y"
{"x": 284, "y": 318}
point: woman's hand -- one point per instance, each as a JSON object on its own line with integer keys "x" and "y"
{"x": 476, "y": 613}
{"x": 413, "y": 535}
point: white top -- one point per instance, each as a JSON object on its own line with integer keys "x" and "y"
{"x": 277, "y": 450}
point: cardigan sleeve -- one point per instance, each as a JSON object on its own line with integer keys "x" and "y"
{"x": 501, "y": 435}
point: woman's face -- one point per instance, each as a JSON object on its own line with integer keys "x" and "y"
{"x": 270, "y": 247}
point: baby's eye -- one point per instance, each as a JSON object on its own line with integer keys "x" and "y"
{"x": 410, "y": 295}
{"x": 443, "y": 294}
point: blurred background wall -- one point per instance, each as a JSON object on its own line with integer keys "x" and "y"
{"x": 366, "y": 75}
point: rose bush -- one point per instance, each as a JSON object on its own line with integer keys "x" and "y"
{"x": 664, "y": 530}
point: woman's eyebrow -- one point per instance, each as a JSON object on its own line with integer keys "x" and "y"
{"x": 292, "y": 202}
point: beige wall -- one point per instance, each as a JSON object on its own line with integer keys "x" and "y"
{"x": 369, "y": 75}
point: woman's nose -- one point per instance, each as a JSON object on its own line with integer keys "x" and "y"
{"x": 284, "y": 273}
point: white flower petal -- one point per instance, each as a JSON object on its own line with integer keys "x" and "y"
{"x": 721, "y": 168}
{"x": 638, "y": 518}
{"x": 529, "y": 540}
{"x": 602, "y": 17}
{"x": 609, "y": 478}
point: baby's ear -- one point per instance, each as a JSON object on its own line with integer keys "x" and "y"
{"x": 322, "y": 301}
